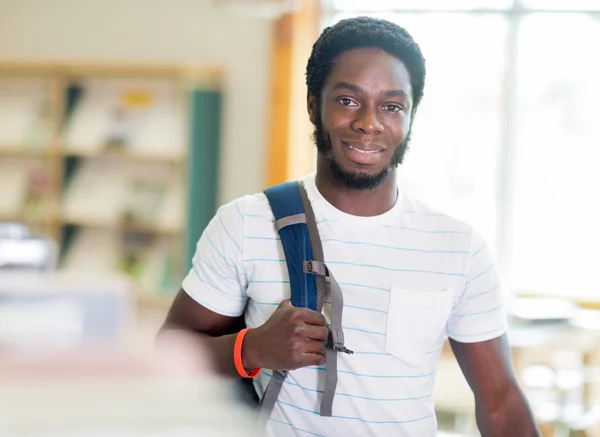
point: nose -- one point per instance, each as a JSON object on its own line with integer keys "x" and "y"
{"x": 367, "y": 122}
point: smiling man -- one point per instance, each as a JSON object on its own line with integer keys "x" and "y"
{"x": 410, "y": 276}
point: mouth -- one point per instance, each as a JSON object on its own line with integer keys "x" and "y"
{"x": 362, "y": 153}
{"x": 362, "y": 148}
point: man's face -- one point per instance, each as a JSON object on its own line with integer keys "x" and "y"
{"x": 362, "y": 122}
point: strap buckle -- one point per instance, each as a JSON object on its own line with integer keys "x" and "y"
{"x": 336, "y": 342}
{"x": 313, "y": 267}
{"x": 308, "y": 267}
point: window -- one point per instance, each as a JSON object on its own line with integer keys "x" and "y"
{"x": 556, "y": 222}
{"x": 509, "y": 117}
{"x": 562, "y": 5}
{"x": 432, "y": 5}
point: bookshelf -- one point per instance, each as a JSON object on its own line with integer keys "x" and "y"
{"x": 115, "y": 161}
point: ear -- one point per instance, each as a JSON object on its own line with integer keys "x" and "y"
{"x": 312, "y": 106}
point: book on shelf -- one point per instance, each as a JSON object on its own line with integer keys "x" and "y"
{"x": 95, "y": 193}
{"x": 138, "y": 118}
{"x": 23, "y": 184}
{"x": 115, "y": 193}
{"x": 146, "y": 258}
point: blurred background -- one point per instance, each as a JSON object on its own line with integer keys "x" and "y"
{"x": 125, "y": 124}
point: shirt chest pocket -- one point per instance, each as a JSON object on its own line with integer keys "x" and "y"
{"x": 416, "y": 323}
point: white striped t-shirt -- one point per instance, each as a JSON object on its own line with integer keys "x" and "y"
{"x": 410, "y": 277}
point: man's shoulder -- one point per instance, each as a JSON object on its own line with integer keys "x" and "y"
{"x": 435, "y": 218}
{"x": 254, "y": 204}
{"x": 247, "y": 205}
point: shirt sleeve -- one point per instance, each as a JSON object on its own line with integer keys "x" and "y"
{"x": 216, "y": 279}
{"x": 480, "y": 314}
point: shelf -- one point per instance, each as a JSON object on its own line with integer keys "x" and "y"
{"x": 590, "y": 300}
{"x": 141, "y": 228}
{"x": 203, "y": 74}
{"x": 125, "y": 156}
{"x": 28, "y": 153}
{"x": 92, "y": 141}
{"x": 33, "y": 222}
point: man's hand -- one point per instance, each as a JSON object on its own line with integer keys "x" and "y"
{"x": 291, "y": 338}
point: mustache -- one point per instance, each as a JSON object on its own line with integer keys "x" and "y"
{"x": 324, "y": 145}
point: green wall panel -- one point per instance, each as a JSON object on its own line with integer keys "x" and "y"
{"x": 203, "y": 164}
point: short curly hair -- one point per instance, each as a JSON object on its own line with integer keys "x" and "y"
{"x": 359, "y": 32}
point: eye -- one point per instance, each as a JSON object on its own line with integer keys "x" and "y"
{"x": 393, "y": 108}
{"x": 347, "y": 102}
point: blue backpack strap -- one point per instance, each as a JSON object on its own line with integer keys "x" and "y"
{"x": 288, "y": 209}
{"x": 290, "y": 220}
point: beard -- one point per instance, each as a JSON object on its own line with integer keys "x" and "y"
{"x": 356, "y": 180}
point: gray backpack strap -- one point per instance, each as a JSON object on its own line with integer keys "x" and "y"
{"x": 317, "y": 248}
{"x": 267, "y": 402}
{"x": 335, "y": 343}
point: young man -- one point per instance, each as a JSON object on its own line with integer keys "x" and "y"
{"x": 409, "y": 276}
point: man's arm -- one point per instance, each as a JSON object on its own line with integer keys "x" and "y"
{"x": 208, "y": 310}
{"x": 201, "y": 329}
{"x": 501, "y": 407}
{"x": 291, "y": 338}
{"x": 477, "y": 331}
{"x": 207, "y": 313}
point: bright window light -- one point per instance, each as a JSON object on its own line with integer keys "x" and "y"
{"x": 388, "y": 5}
{"x": 562, "y": 5}
{"x": 546, "y": 85}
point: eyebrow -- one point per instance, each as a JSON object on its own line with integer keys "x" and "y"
{"x": 359, "y": 90}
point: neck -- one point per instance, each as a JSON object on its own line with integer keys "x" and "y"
{"x": 364, "y": 203}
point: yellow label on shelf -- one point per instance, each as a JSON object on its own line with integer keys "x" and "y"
{"x": 136, "y": 99}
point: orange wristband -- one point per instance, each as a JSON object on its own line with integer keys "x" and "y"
{"x": 237, "y": 356}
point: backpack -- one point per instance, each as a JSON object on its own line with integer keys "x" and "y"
{"x": 296, "y": 226}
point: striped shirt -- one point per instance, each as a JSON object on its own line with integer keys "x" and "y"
{"x": 410, "y": 277}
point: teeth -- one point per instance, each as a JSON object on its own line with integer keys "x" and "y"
{"x": 360, "y": 150}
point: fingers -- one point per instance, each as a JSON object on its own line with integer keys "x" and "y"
{"x": 306, "y": 315}
{"x": 313, "y": 359}
{"x": 285, "y": 303}
{"x": 311, "y": 317}
{"x": 314, "y": 350}
{"x": 319, "y": 333}
{"x": 314, "y": 346}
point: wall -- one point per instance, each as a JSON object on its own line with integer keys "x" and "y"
{"x": 161, "y": 30}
